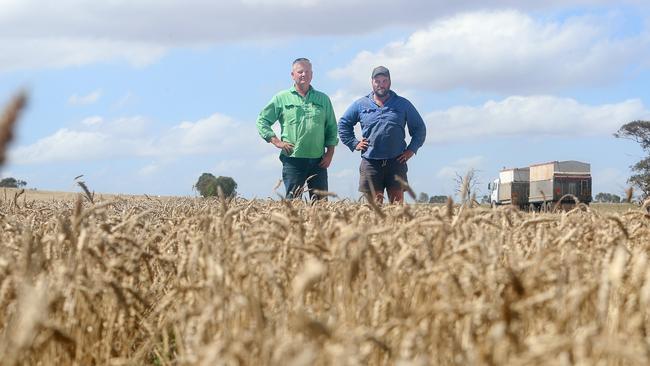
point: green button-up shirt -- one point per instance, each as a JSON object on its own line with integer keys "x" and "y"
{"x": 306, "y": 122}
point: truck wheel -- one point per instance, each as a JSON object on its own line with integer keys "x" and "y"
{"x": 493, "y": 204}
{"x": 548, "y": 207}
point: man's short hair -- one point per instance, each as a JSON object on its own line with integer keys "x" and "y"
{"x": 301, "y": 59}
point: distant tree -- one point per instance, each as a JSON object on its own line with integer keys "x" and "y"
{"x": 228, "y": 186}
{"x": 639, "y": 131}
{"x": 11, "y": 182}
{"x": 208, "y": 185}
{"x": 466, "y": 185}
{"x": 607, "y": 197}
{"x": 437, "y": 199}
{"x": 485, "y": 199}
{"x": 423, "y": 197}
{"x": 204, "y": 183}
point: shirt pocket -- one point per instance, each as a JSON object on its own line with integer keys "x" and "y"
{"x": 315, "y": 115}
{"x": 368, "y": 116}
{"x": 366, "y": 111}
{"x": 292, "y": 114}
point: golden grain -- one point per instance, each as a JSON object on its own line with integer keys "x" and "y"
{"x": 260, "y": 282}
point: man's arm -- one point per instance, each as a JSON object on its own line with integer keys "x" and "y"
{"x": 417, "y": 128}
{"x": 331, "y": 130}
{"x": 346, "y": 126}
{"x": 327, "y": 158}
{"x": 331, "y": 136}
{"x": 268, "y": 116}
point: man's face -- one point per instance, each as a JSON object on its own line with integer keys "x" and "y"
{"x": 381, "y": 85}
{"x": 301, "y": 74}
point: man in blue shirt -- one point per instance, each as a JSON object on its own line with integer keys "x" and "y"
{"x": 384, "y": 116}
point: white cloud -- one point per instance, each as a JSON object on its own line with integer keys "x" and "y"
{"x": 504, "y": 51}
{"x": 64, "y": 145}
{"x": 341, "y": 100}
{"x": 134, "y": 137}
{"x": 85, "y": 99}
{"x": 460, "y": 167}
{"x": 46, "y": 51}
{"x": 92, "y": 120}
{"x": 77, "y": 32}
{"x": 216, "y": 133}
{"x": 531, "y": 116}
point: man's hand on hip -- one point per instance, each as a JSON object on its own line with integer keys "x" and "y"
{"x": 362, "y": 145}
{"x": 405, "y": 156}
{"x": 284, "y": 146}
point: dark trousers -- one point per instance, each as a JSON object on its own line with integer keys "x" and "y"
{"x": 381, "y": 174}
{"x": 295, "y": 171}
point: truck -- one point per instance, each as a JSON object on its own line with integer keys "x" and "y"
{"x": 553, "y": 181}
{"x": 511, "y": 188}
{"x": 541, "y": 186}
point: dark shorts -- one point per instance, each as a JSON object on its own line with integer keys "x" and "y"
{"x": 381, "y": 174}
{"x": 295, "y": 172}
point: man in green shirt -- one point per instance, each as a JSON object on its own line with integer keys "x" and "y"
{"x": 308, "y": 132}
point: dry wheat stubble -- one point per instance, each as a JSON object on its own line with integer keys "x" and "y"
{"x": 193, "y": 281}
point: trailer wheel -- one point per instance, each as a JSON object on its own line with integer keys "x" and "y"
{"x": 548, "y": 207}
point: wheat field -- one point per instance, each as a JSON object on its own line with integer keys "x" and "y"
{"x": 190, "y": 281}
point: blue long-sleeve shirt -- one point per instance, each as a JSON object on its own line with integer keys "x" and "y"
{"x": 384, "y": 127}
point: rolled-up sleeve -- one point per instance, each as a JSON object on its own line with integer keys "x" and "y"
{"x": 331, "y": 131}
{"x": 346, "y": 126}
{"x": 267, "y": 117}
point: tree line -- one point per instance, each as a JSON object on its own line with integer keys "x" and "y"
{"x": 11, "y": 182}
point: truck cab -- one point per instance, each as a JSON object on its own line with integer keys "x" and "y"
{"x": 510, "y": 188}
{"x": 493, "y": 188}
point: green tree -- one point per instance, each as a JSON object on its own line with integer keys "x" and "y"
{"x": 204, "y": 183}
{"x": 208, "y": 185}
{"x": 11, "y": 182}
{"x": 423, "y": 198}
{"x": 437, "y": 199}
{"x": 639, "y": 131}
{"x": 228, "y": 186}
{"x": 608, "y": 197}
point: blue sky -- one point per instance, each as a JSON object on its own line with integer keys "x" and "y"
{"x": 144, "y": 96}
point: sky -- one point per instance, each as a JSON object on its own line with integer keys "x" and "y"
{"x": 142, "y": 97}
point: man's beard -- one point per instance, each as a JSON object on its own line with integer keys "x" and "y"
{"x": 381, "y": 93}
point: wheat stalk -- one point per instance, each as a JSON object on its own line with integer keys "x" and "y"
{"x": 8, "y": 121}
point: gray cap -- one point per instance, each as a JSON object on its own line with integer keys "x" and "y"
{"x": 380, "y": 70}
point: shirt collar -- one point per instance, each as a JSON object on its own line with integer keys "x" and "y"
{"x": 295, "y": 91}
{"x": 390, "y": 92}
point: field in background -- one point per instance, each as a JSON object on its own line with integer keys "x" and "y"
{"x": 27, "y": 194}
{"x": 187, "y": 281}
